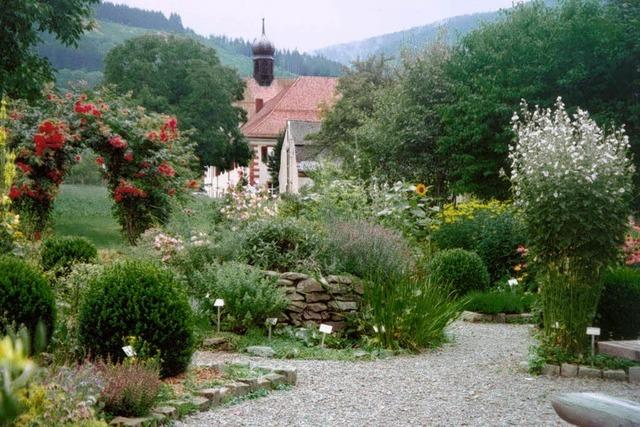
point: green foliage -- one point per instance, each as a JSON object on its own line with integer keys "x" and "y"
{"x": 25, "y": 297}
{"x": 273, "y": 161}
{"x": 62, "y": 252}
{"x": 15, "y": 371}
{"x": 169, "y": 74}
{"x": 618, "y": 313}
{"x": 494, "y": 302}
{"x": 250, "y": 297}
{"x": 130, "y": 389}
{"x": 85, "y": 172}
{"x": 494, "y": 237}
{"x": 280, "y": 244}
{"x": 463, "y": 270}
{"x": 22, "y": 72}
{"x": 141, "y": 300}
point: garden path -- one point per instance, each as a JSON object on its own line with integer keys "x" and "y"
{"x": 473, "y": 381}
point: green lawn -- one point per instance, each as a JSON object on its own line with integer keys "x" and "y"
{"x": 85, "y": 210}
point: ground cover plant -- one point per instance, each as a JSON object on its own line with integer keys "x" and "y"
{"x": 495, "y": 301}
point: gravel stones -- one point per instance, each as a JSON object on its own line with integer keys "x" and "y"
{"x": 474, "y": 380}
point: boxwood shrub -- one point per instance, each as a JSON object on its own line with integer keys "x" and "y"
{"x": 619, "y": 309}
{"x": 137, "y": 299}
{"x": 26, "y": 298}
{"x": 61, "y": 252}
{"x": 463, "y": 270}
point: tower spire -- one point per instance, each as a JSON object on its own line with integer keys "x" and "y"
{"x": 263, "y": 32}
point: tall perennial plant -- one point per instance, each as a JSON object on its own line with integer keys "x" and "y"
{"x": 572, "y": 181}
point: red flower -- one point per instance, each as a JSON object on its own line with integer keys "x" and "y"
{"x": 77, "y": 157}
{"x": 51, "y": 136}
{"x": 127, "y": 190}
{"x": 128, "y": 156}
{"x": 166, "y": 169}
{"x": 47, "y": 127}
{"x": 145, "y": 165}
{"x": 152, "y": 136}
{"x": 14, "y": 192}
{"x": 117, "y": 142}
{"x": 171, "y": 192}
{"x": 100, "y": 160}
{"x": 25, "y": 168}
{"x": 192, "y": 183}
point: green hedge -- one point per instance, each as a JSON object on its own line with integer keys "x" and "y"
{"x": 499, "y": 302}
{"x": 138, "y": 299}
{"x": 463, "y": 270}
{"x": 619, "y": 309}
{"x": 25, "y": 297}
{"x": 62, "y": 252}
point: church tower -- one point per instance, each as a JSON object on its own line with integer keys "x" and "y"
{"x": 263, "y": 52}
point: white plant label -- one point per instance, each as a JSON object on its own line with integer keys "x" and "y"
{"x": 272, "y": 321}
{"x": 218, "y": 303}
{"x": 513, "y": 282}
{"x": 326, "y": 329}
{"x": 593, "y": 331}
{"x": 129, "y": 351}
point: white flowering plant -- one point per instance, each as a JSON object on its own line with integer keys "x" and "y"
{"x": 572, "y": 180}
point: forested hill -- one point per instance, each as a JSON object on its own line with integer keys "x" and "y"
{"x": 118, "y": 23}
{"x": 412, "y": 39}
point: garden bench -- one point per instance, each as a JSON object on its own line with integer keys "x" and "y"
{"x": 595, "y": 409}
{"x": 624, "y": 349}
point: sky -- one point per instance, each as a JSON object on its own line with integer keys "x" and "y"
{"x": 308, "y": 25}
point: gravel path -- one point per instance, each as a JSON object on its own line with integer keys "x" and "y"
{"x": 475, "y": 380}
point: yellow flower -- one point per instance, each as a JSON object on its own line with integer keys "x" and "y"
{"x": 421, "y": 189}
{"x": 517, "y": 267}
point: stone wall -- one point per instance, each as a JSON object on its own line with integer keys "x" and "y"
{"x": 325, "y": 300}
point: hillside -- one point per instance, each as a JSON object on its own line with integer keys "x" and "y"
{"x": 412, "y": 39}
{"x": 118, "y": 23}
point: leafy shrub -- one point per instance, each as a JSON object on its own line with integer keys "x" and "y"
{"x": 250, "y": 297}
{"x": 464, "y": 271}
{"x": 281, "y": 245}
{"x": 365, "y": 250}
{"x": 130, "y": 388}
{"x": 61, "y": 252}
{"x": 499, "y": 302}
{"x": 138, "y": 299}
{"x": 619, "y": 307}
{"x": 25, "y": 297}
{"x": 494, "y": 237}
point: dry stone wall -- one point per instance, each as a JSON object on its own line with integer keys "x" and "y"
{"x": 327, "y": 300}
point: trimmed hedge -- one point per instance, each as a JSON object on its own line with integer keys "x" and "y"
{"x": 619, "y": 309}
{"x": 499, "y": 302}
{"x": 463, "y": 270}
{"x": 138, "y": 299}
{"x": 62, "y": 252}
{"x": 25, "y": 297}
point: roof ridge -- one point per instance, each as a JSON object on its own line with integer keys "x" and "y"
{"x": 278, "y": 98}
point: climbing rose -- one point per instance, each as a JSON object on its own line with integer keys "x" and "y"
{"x": 117, "y": 142}
{"x": 128, "y": 156}
{"x": 166, "y": 170}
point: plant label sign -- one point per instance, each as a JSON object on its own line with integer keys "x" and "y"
{"x": 218, "y": 303}
{"x": 513, "y": 282}
{"x": 326, "y": 329}
{"x": 129, "y": 351}
{"x": 593, "y": 331}
{"x": 272, "y": 321}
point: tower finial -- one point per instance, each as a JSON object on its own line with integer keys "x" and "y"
{"x": 263, "y": 33}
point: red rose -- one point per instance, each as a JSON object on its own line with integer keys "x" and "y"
{"x": 77, "y": 157}
{"x": 166, "y": 169}
{"x": 171, "y": 191}
{"x": 128, "y": 156}
{"x": 25, "y": 168}
{"x": 100, "y": 160}
{"x": 14, "y": 192}
{"x": 117, "y": 142}
{"x": 152, "y": 136}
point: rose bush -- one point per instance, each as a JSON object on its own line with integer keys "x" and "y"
{"x": 144, "y": 158}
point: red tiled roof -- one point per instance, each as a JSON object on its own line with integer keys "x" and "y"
{"x": 302, "y": 100}
{"x": 254, "y": 91}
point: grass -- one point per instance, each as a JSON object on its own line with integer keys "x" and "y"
{"x": 287, "y": 347}
{"x": 492, "y": 302}
{"x": 85, "y": 210}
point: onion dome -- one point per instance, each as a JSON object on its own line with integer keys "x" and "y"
{"x": 263, "y": 46}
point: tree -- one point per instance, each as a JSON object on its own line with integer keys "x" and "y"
{"x": 586, "y": 51}
{"x": 179, "y": 76}
{"x": 273, "y": 161}
{"x": 22, "y": 71}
